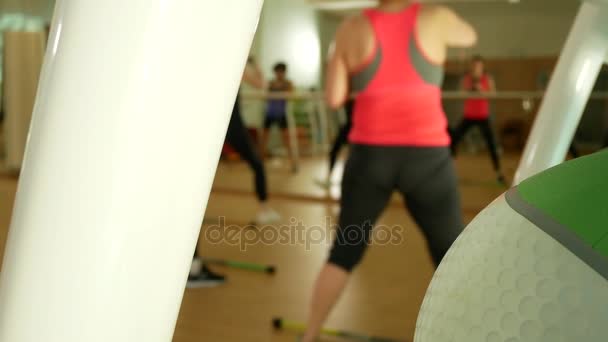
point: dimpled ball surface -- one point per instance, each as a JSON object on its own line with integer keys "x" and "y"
{"x": 505, "y": 280}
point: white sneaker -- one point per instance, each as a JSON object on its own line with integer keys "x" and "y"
{"x": 267, "y": 216}
{"x": 274, "y": 216}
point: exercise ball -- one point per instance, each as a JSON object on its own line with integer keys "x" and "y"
{"x": 532, "y": 266}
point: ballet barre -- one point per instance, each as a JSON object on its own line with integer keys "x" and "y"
{"x": 317, "y": 110}
{"x": 455, "y": 95}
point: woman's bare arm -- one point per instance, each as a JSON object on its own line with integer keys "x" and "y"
{"x": 457, "y": 32}
{"x": 253, "y": 75}
{"x": 336, "y": 81}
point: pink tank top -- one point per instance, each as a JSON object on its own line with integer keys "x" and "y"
{"x": 477, "y": 108}
{"x": 398, "y": 88}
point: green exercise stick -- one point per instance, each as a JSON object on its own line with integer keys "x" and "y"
{"x": 281, "y": 324}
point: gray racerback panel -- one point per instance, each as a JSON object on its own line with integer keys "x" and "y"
{"x": 429, "y": 72}
{"x": 361, "y": 79}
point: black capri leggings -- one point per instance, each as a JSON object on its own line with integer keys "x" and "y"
{"x": 425, "y": 177}
{"x": 487, "y": 132}
{"x": 239, "y": 139}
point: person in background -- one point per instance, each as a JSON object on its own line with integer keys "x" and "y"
{"x": 392, "y": 57}
{"x": 276, "y": 110}
{"x": 238, "y": 137}
{"x": 341, "y": 139}
{"x": 477, "y": 112}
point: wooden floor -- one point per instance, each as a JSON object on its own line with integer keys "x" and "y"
{"x": 383, "y": 297}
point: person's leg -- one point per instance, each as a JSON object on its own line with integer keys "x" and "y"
{"x": 573, "y": 151}
{"x": 238, "y": 137}
{"x": 196, "y": 254}
{"x": 195, "y": 267}
{"x": 366, "y": 188}
{"x": 488, "y": 134}
{"x": 328, "y": 287}
{"x": 264, "y": 137}
{"x": 458, "y": 133}
{"x": 340, "y": 141}
{"x": 430, "y": 188}
{"x": 286, "y": 136}
{"x": 197, "y": 263}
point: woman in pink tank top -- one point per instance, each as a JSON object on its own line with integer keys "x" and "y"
{"x": 392, "y": 58}
{"x": 477, "y": 112}
{"x": 398, "y": 87}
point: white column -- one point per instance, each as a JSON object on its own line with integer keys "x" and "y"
{"x": 130, "y": 116}
{"x": 568, "y": 91}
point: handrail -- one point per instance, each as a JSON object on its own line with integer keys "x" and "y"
{"x": 447, "y": 95}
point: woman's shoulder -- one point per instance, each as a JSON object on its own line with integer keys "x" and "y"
{"x": 354, "y": 24}
{"x": 354, "y": 31}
